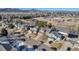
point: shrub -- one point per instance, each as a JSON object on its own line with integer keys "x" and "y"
{"x": 11, "y": 26}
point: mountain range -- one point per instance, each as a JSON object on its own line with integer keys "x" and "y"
{"x": 15, "y": 10}
{"x": 38, "y": 9}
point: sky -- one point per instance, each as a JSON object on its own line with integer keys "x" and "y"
{"x": 53, "y": 9}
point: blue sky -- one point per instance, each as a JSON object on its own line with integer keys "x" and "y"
{"x": 53, "y": 9}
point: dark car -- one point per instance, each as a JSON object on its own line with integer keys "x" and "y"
{"x": 73, "y": 35}
{"x": 53, "y": 48}
{"x": 43, "y": 49}
{"x": 68, "y": 49}
{"x": 35, "y": 46}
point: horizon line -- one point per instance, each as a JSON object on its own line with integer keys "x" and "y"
{"x": 51, "y": 9}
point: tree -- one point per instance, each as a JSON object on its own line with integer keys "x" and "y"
{"x": 0, "y": 17}
{"x": 0, "y": 24}
{"x": 41, "y": 42}
{"x": 4, "y": 32}
{"x": 69, "y": 48}
{"x": 53, "y": 29}
{"x": 50, "y": 42}
{"x": 11, "y": 26}
{"x": 41, "y": 23}
{"x": 26, "y": 17}
{"x": 38, "y": 30}
{"x": 35, "y": 46}
{"x": 62, "y": 37}
{"x": 43, "y": 49}
{"x": 28, "y": 28}
{"x": 50, "y": 25}
{"x": 53, "y": 48}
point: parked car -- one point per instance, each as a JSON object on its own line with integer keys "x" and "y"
{"x": 73, "y": 35}
{"x": 43, "y": 49}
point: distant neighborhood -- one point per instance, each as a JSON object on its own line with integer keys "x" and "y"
{"x": 38, "y": 30}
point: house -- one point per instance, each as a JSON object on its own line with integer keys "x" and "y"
{"x": 19, "y": 45}
{"x": 4, "y": 40}
{"x": 55, "y": 36}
